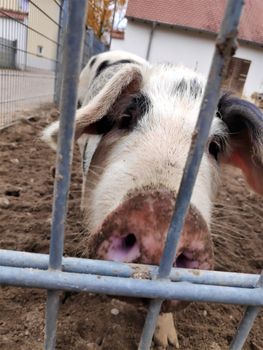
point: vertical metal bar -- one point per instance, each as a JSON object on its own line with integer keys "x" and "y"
{"x": 52, "y": 307}
{"x": 150, "y": 324}
{"x": 72, "y": 55}
{"x": 246, "y": 323}
{"x": 26, "y": 42}
{"x": 63, "y": 19}
{"x": 112, "y": 23}
{"x": 224, "y": 49}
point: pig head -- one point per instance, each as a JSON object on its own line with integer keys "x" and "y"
{"x": 134, "y": 130}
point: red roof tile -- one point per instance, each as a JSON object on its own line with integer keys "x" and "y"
{"x": 200, "y": 14}
{"x": 12, "y": 14}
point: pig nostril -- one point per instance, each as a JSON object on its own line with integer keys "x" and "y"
{"x": 129, "y": 241}
{"x": 181, "y": 260}
{"x": 122, "y": 248}
{"x": 185, "y": 260}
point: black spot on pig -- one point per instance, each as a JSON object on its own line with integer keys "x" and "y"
{"x": 183, "y": 87}
{"x": 122, "y": 62}
{"x": 107, "y": 64}
{"x": 196, "y": 89}
{"x": 93, "y": 60}
{"x": 101, "y": 67}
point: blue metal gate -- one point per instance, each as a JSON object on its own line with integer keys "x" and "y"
{"x": 56, "y": 273}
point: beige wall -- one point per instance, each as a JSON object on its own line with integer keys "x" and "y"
{"x": 41, "y": 23}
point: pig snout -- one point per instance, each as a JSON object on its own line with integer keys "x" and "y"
{"x": 137, "y": 229}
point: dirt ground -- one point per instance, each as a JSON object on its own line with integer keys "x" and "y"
{"x": 87, "y": 321}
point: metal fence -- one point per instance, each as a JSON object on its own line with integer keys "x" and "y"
{"x": 31, "y": 51}
{"x": 92, "y": 46}
{"x": 56, "y": 273}
{"x": 28, "y": 47}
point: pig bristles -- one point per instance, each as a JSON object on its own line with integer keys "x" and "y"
{"x": 48, "y": 135}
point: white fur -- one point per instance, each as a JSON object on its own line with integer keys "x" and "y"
{"x": 153, "y": 154}
{"x": 88, "y": 73}
{"x": 48, "y": 133}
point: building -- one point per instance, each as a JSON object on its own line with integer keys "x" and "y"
{"x": 29, "y": 34}
{"x": 43, "y": 34}
{"x": 13, "y": 34}
{"x": 184, "y": 32}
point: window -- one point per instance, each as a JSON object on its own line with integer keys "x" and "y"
{"x": 39, "y": 50}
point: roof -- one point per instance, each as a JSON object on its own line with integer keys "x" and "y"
{"x": 13, "y": 14}
{"x": 205, "y": 15}
{"x": 117, "y": 34}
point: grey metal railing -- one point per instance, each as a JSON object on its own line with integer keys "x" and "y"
{"x": 56, "y": 273}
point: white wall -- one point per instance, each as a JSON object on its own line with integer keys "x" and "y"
{"x": 13, "y": 30}
{"x": 136, "y": 39}
{"x": 190, "y": 49}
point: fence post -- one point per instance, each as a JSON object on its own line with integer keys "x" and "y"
{"x": 63, "y": 19}
{"x": 224, "y": 48}
{"x": 73, "y": 44}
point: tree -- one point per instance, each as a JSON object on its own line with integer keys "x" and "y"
{"x": 100, "y": 16}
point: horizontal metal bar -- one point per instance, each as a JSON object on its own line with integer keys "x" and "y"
{"x": 13, "y": 258}
{"x": 137, "y": 288}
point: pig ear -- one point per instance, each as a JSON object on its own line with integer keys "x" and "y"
{"x": 108, "y": 107}
{"x": 244, "y": 123}
{"x": 105, "y": 109}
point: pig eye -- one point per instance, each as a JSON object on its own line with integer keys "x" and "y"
{"x": 214, "y": 149}
{"x": 216, "y": 146}
{"x": 102, "y": 126}
{"x": 126, "y": 122}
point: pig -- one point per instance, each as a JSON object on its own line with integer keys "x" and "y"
{"x": 98, "y": 63}
{"x": 134, "y": 130}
